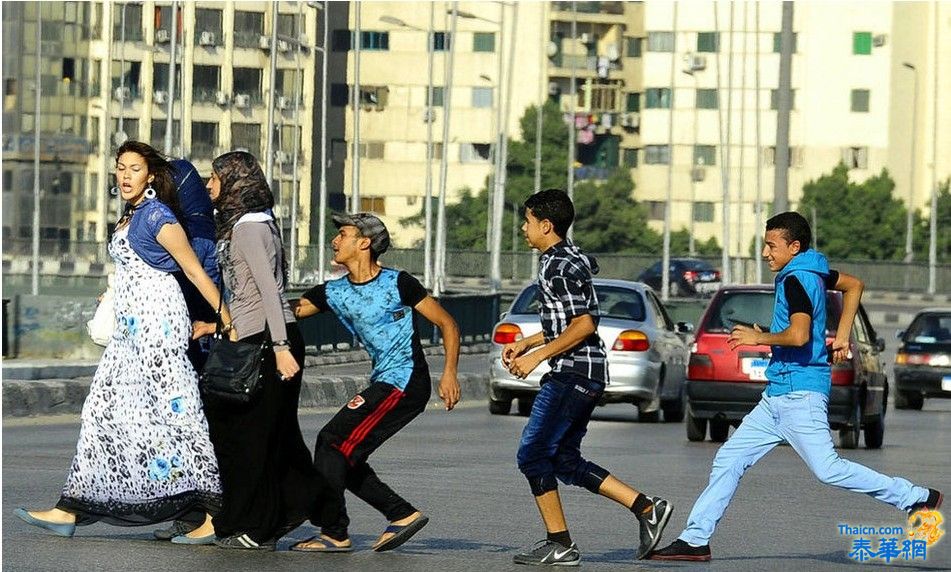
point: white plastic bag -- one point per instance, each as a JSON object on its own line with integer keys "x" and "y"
{"x": 103, "y": 323}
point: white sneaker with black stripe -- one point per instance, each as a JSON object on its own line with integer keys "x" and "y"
{"x": 550, "y": 553}
{"x": 652, "y": 523}
{"x": 243, "y": 542}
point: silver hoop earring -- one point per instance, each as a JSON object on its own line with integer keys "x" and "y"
{"x": 149, "y": 192}
{"x": 114, "y": 191}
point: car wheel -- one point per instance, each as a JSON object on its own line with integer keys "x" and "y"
{"x": 719, "y": 430}
{"x": 647, "y": 416}
{"x": 909, "y": 400}
{"x": 849, "y": 436}
{"x": 525, "y": 406}
{"x": 673, "y": 410}
{"x": 696, "y": 428}
{"x": 500, "y": 407}
{"x": 874, "y": 431}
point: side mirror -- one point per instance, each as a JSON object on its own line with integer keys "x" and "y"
{"x": 899, "y": 334}
{"x": 683, "y": 328}
{"x": 880, "y": 344}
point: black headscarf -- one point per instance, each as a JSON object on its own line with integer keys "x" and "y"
{"x": 244, "y": 189}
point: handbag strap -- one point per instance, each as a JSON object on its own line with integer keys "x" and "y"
{"x": 221, "y": 297}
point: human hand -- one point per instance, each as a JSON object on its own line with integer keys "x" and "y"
{"x": 449, "y": 390}
{"x": 744, "y": 336}
{"x": 524, "y": 365}
{"x": 511, "y": 351}
{"x": 841, "y": 351}
{"x": 287, "y": 366}
{"x": 202, "y": 329}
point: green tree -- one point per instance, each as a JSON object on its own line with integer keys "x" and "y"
{"x": 922, "y": 230}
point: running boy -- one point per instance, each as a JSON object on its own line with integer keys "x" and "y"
{"x": 550, "y": 447}
{"x": 378, "y": 305}
{"x": 798, "y": 383}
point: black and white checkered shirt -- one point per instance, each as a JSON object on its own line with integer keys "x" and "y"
{"x": 566, "y": 291}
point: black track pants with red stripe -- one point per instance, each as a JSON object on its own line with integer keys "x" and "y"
{"x": 343, "y": 445}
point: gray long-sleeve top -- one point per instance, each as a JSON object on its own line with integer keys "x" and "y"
{"x": 256, "y": 281}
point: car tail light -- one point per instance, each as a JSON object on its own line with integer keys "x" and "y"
{"x": 901, "y": 358}
{"x": 939, "y": 360}
{"x": 843, "y": 374}
{"x": 632, "y": 341}
{"x": 690, "y": 275}
{"x": 700, "y": 367}
{"x": 506, "y": 334}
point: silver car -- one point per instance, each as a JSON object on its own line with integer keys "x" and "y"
{"x": 647, "y": 352}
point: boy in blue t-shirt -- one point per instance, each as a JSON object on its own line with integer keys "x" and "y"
{"x": 798, "y": 385}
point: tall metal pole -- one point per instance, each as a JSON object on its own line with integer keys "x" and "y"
{"x": 724, "y": 155}
{"x": 170, "y": 104}
{"x": 665, "y": 257}
{"x": 497, "y": 166}
{"x": 740, "y": 176}
{"x": 933, "y": 241}
{"x": 539, "y": 119}
{"x": 695, "y": 162}
{"x": 295, "y": 194}
{"x": 272, "y": 100}
{"x": 574, "y": 108}
{"x": 37, "y": 123}
{"x": 122, "y": 74}
{"x": 758, "y": 234}
{"x": 498, "y": 204}
{"x": 355, "y": 162}
{"x": 322, "y": 206}
{"x": 909, "y": 247}
{"x": 430, "y": 118}
{"x": 440, "y": 272}
{"x": 784, "y": 96}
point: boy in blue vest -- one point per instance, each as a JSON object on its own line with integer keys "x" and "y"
{"x": 378, "y": 305}
{"x": 798, "y": 385}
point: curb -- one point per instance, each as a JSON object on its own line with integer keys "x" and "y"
{"x": 50, "y": 371}
{"x": 25, "y": 398}
{"x": 910, "y": 296}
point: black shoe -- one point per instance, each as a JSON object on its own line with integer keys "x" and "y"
{"x": 935, "y": 498}
{"x": 243, "y": 542}
{"x": 550, "y": 553}
{"x": 652, "y": 524}
{"x": 178, "y": 528}
{"x": 680, "y": 550}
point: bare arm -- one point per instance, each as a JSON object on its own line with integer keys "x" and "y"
{"x": 796, "y": 335}
{"x": 449, "y": 390}
{"x": 515, "y": 349}
{"x": 851, "y": 288}
{"x": 304, "y": 309}
{"x": 172, "y": 238}
{"x": 580, "y": 328}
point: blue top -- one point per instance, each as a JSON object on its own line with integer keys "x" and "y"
{"x": 803, "y": 368}
{"x": 149, "y": 218}
{"x": 199, "y": 215}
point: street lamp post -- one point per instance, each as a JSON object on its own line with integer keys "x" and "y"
{"x": 355, "y": 99}
{"x": 269, "y": 158}
{"x": 439, "y": 277}
{"x": 698, "y": 161}
{"x": 322, "y": 206}
{"x": 909, "y": 246}
{"x": 572, "y": 89}
{"x": 37, "y": 92}
{"x": 170, "y": 105}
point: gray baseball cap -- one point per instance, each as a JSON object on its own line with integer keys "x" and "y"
{"x": 369, "y": 226}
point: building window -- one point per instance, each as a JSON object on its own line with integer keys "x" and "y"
{"x": 703, "y": 212}
{"x": 289, "y": 26}
{"x": 10, "y": 86}
{"x": 658, "y": 98}
{"x": 708, "y": 99}
{"x": 778, "y": 42}
{"x": 339, "y": 95}
{"x": 372, "y": 149}
{"x": 342, "y": 40}
{"x": 129, "y": 126}
{"x": 374, "y": 97}
{"x": 288, "y": 83}
{"x": 860, "y": 99}
{"x": 158, "y": 133}
{"x": 774, "y": 99}
{"x": 248, "y": 29}
{"x": 708, "y": 42}
{"x": 655, "y": 209}
{"x": 204, "y": 140}
{"x": 629, "y": 157}
{"x": 704, "y": 155}
{"x": 632, "y": 102}
{"x": 246, "y": 137}
{"x": 632, "y": 47}
{"x": 126, "y": 76}
{"x": 483, "y": 42}
{"x": 247, "y": 81}
{"x": 795, "y": 156}
{"x": 660, "y": 41}
{"x": 657, "y": 154}
{"x": 160, "y": 79}
{"x": 482, "y": 97}
{"x": 378, "y": 41}
{"x": 474, "y": 152}
{"x": 373, "y": 205}
{"x": 133, "y": 22}
{"x": 7, "y": 180}
{"x": 206, "y": 83}
{"x": 441, "y": 41}
{"x": 855, "y": 157}
{"x": 338, "y": 150}
{"x": 438, "y": 92}
{"x": 862, "y": 43}
{"x": 208, "y": 28}
{"x": 437, "y": 151}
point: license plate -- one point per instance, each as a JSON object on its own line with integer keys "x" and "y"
{"x": 706, "y": 286}
{"x": 755, "y": 368}
{"x": 707, "y": 277}
{"x": 946, "y": 383}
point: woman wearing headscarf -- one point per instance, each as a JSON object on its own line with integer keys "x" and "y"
{"x": 267, "y": 473}
{"x": 144, "y": 454}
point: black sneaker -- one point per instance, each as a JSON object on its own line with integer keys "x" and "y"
{"x": 935, "y": 498}
{"x": 178, "y": 528}
{"x": 680, "y": 550}
{"x": 652, "y": 523}
{"x": 550, "y": 553}
{"x": 243, "y": 542}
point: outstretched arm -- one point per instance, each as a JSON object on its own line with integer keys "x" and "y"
{"x": 449, "y": 390}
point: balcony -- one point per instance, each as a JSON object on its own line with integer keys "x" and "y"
{"x": 594, "y": 12}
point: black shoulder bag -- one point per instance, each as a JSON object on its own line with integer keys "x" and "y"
{"x": 232, "y": 373}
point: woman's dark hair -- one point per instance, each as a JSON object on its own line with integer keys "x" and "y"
{"x": 794, "y": 227}
{"x": 161, "y": 171}
{"x": 244, "y": 189}
{"x": 555, "y": 206}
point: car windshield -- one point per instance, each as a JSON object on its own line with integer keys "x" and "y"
{"x": 752, "y": 307}
{"x": 614, "y": 302}
{"x": 696, "y": 265}
{"x": 930, "y": 329}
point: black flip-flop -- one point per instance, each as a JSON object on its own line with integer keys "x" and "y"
{"x": 401, "y": 533}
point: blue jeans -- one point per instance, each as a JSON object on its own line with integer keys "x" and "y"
{"x": 801, "y": 419}
{"x": 550, "y": 447}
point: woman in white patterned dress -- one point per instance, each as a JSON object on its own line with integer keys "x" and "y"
{"x": 144, "y": 455}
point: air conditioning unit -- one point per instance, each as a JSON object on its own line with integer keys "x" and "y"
{"x": 698, "y": 174}
{"x": 283, "y": 46}
{"x": 630, "y": 120}
{"x": 429, "y": 115}
{"x": 696, "y": 62}
{"x": 282, "y": 157}
{"x": 264, "y": 42}
{"x": 303, "y": 41}
{"x": 207, "y": 39}
{"x": 879, "y": 40}
{"x": 585, "y": 38}
{"x": 282, "y": 102}
{"x": 242, "y": 100}
{"x": 160, "y": 97}
{"x": 221, "y": 98}
{"x": 163, "y": 36}
{"x": 123, "y": 93}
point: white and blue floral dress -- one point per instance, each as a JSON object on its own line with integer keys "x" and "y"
{"x": 144, "y": 455}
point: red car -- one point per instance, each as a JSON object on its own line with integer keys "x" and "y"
{"x": 724, "y": 385}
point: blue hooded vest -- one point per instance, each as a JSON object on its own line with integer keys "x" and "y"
{"x": 804, "y": 368}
